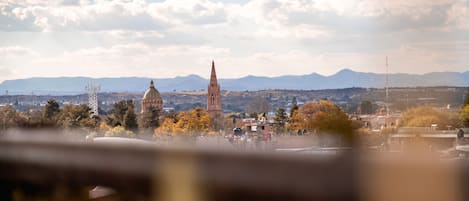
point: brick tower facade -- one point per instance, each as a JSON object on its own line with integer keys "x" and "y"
{"x": 214, "y": 100}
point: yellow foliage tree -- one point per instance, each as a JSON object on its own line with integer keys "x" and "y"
{"x": 166, "y": 128}
{"x": 464, "y": 116}
{"x": 189, "y": 123}
{"x": 425, "y": 116}
{"x": 325, "y": 117}
{"x": 103, "y": 127}
{"x": 119, "y": 131}
{"x": 296, "y": 121}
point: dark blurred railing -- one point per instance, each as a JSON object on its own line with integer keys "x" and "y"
{"x": 146, "y": 172}
{"x": 69, "y": 170}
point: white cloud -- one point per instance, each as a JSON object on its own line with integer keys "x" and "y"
{"x": 260, "y": 37}
{"x": 14, "y": 51}
{"x": 458, "y": 15}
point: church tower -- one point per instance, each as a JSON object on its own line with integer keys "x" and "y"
{"x": 214, "y": 100}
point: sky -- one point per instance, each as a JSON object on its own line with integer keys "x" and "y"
{"x": 171, "y": 38}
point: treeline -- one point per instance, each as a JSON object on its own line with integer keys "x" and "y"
{"x": 425, "y": 116}
{"x": 51, "y": 116}
{"x": 122, "y": 120}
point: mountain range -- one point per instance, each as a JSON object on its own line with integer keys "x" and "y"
{"x": 343, "y": 79}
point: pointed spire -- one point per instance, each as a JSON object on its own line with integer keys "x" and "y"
{"x": 152, "y": 84}
{"x": 213, "y": 75}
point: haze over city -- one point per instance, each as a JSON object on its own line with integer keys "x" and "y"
{"x": 262, "y": 37}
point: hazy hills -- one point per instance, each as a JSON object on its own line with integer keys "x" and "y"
{"x": 343, "y": 79}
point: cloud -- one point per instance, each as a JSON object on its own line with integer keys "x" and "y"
{"x": 260, "y": 37}
{"x": 12, "y": 51}
{"x": 458, "y": 15}
{"x": 108, "y": 15}
{"x": 351, "y": 17}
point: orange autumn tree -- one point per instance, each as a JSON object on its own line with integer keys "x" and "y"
{"x": 325, "y": 117}
{"x": 295, "y": 122}
{"x": 188, "y": 123}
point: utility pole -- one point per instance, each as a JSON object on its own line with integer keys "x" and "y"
{"x": 387, "y": 88}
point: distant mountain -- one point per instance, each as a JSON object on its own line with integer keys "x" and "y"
{"x": 343, "y": 79}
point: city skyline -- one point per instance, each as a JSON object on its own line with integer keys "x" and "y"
{"x": 162, "y": 39}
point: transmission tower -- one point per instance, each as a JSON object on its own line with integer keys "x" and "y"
{"x": 93, "y": 90}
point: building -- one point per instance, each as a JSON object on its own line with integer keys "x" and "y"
{"x": 214, "y": 100}
{"x": 257, "y": 127}
{"x": 152, "y": 99}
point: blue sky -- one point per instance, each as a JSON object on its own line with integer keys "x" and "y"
{"x": 259, "y": 37}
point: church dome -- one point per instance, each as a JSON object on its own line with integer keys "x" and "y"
{"x": 151, "y": 93}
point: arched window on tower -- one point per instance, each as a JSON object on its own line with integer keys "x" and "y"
{"x": 212, "y": 99}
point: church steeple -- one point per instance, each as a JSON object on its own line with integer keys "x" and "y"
{"x": 214, "y": 99}
{"x": 213, "y": 74}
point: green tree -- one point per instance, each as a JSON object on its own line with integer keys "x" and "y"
{"x": 130, "y": 119}
{"x": 118, "y": 112}
{"x": 51, "y": 111}
{"x": 75, "y": 116}
{"x": 280, "y": 120}
{"x": 150, "y": 119}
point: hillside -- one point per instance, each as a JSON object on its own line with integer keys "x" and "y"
{"x": 343, "y": 79}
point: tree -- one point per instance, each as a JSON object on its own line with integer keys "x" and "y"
{"x": 464, "y": 116}
{"x": 117, "y": 114}
{"x": 366, "y": 107}
{"x": 150, "y": 119}
{"x": 294, "y": 107}
{"x": 295, "y": 122}
{"x": 130, "y": 119}
{"x": 76, "y": 116}
{"x": 258, "y": 105}
{"x": 188, "y": 123}
{"x": 166, "y": 127}
{"x": 425, "y": 116}
{"x": 31, "y": 119}
{"x": 119, "y": 131}
{"x": 280, "y": 120}
{"x": 326, "y": 117}
{"x": 51, "y": 109}
{"x": 197, "y": 121}
{"x": 8, "y": 117}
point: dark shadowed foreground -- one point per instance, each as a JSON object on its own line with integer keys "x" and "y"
{"x": 32, "y": 169}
